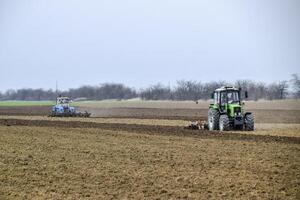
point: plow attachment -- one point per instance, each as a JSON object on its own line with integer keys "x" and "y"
{"x": 68, "y": 114}
{"x": 197, "y": 125}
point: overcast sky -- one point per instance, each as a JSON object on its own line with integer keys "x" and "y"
{"x": 142, "y": 42}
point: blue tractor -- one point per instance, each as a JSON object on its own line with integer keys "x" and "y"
{"x": 63, "y": 109}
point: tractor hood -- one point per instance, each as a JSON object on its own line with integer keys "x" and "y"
{"x": 234, "y": 109}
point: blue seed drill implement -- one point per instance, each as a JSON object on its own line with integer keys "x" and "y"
{"x": 63, "y": 109}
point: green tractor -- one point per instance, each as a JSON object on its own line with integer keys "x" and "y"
{"x": 227, "y": 113}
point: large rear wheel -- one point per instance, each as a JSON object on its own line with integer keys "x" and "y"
{"x": 213, "y": 119}
{"x": 249, "y": 122}
{"x": 224, "y": 123}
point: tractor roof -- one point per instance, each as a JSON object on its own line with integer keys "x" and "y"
{"x": 63, "y": 98}
{"x": 224, "y": 88}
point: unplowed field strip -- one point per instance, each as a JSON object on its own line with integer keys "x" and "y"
{"x": 261, "y": 115}
{"x": 163, "y": 122}
{"x": 151, "y": 129}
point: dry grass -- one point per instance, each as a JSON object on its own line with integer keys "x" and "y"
{"x": 289, "y": 130}
{"x": 65, "y": 163}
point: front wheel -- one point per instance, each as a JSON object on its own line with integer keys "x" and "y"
{"x": 249, "y": 122}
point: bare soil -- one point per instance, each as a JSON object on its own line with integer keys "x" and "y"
{"x": 42, "y": 160}
{"x": 144, "y": 153}
{"x": 261, "y": 116}
{"x": 25, "y": 110}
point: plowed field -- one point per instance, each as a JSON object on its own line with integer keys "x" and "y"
{"x": 144, "y": 153}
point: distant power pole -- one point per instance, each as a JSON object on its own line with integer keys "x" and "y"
{"x": 56, "y": 90}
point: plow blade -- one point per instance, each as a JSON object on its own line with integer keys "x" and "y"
{"x": 79, "y": 114}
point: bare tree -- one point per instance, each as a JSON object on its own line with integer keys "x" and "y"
{"x": 277, "y": 90}
{"x": 282, "y": 87}
{"x": 156, "y": 92}
{"x": 296, "y": 85}
{"x": 261, "y": 91}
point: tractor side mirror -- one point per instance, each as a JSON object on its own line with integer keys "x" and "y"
{"x": 246, "y": 94}
{"x": 212, "y": 95}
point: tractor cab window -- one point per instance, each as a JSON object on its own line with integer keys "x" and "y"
{"x": 228, "y": 97}
{"x": 63, "y": 100}
{"x": 223, "y": 98}
{"x": 233, "y": 97}
{"x": 216, "y": 97}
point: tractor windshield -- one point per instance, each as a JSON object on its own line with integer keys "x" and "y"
{"x": 233, "y": 97}
{"x": 229, "y": 96}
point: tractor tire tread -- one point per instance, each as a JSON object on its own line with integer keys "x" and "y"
{"x": 215, "y": 121}
{"x": 249, "y": 122}
{"x": 224, "y": 123}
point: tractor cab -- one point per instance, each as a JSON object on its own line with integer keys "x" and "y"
{"x": 227, "y": 110}
{"x": 227, "y": 99}
{"x": 226, "y": 95}
{"x": 63, "y": 101}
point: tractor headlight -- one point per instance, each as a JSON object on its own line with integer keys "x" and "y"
{"x": 237, "y": 111}
{"x": 237, "y": 114}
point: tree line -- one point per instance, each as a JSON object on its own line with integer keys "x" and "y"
{"x": 101, "y": 92}
{"x": 183, "y": 90}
